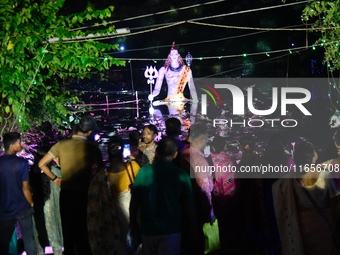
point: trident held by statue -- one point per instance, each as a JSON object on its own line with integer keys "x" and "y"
{"x": 151, "y": 73}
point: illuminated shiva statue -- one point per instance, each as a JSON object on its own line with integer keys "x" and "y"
{"x": 177, "y": 75}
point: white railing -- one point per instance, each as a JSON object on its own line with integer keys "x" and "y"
{"x": 115, "y": 106}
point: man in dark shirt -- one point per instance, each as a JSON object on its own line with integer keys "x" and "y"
{"x": 15, "y": 196}
{"x": 163, "y": 194}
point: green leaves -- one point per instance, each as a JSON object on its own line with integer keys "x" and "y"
{"x": 33, "y": 71}
{"x": 326, "y": 15}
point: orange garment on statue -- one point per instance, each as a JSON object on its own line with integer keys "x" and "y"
{"x": 183, "y": 80}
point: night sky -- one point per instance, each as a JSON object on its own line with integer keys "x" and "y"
{"x": 212, "y": 42}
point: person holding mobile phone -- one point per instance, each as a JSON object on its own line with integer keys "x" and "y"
{"x": 126, "y": 151}
{"x": 120, "y": 174}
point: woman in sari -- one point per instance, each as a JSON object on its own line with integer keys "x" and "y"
{"x": 305, "y": 203}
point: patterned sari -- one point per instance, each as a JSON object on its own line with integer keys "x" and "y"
{"x": 103, "y": 229}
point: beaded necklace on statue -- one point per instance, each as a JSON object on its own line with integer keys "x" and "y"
{"x": 177, "y": 69}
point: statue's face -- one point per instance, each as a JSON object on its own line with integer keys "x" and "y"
{"x": 174, "y": 55}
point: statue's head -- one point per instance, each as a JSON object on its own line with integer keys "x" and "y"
{"x": 173, "y": 56}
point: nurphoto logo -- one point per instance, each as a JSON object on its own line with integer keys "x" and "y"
{"x": 243, "y": 96}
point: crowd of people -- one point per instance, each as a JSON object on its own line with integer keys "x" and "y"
{"x": 164, "y": 193}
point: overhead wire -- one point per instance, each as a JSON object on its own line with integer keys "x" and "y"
{"x": 196, "y": 19}
{"x": 193, "y": 21}
{"x": 263, "y": 28}
{"x": 103, "y": 37}
{"x": 152, "y": 14}
{"x": 252, "y": 10}
{"x": 199, "y": 42}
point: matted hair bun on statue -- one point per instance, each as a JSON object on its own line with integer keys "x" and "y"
{"x": 173, "y": 46}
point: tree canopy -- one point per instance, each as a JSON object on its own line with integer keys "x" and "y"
{"x": 326, "y": 18}
{"x": 326, "y": 15}
{"x": 35, "y": 59}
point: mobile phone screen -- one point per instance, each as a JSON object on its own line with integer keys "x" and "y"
{"x": 126, "y": 150}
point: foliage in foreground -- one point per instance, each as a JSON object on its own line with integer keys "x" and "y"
{"x": 326, "y": 15}
{"x": 33, "y": 68}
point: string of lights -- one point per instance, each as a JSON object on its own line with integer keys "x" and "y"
{"x": 202, "y": 42}
{"x": 267, "y": 53}
{"x": 110, "y": 36}
{"x": 333, "y": 84}
{"x": 192, "y": 21}
{"x": 30, "y": 85}
{"x": 199, "y": 58}
{"x": 256, "y": 63}
{"x": 105, "y": 37}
